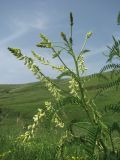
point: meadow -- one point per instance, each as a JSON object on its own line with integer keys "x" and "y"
{"x": 18, "y": 104}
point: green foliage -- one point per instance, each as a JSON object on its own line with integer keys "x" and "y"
{"x": 114, "y": 68}
{"x": 114, "y": 50}
{"x": 118, "y": 18}
{"x": 113, "y": 107}
{"x": 93, "y": 133}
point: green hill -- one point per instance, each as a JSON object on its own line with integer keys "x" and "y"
{"x": 23, "y": 100}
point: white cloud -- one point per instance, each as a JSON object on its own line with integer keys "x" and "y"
{"x": 35, "y": 22}
{"x": 12, "y": 37}
{"x": 21, "y": 26}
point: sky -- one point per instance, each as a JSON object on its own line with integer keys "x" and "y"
{"x": 21, "y": 22}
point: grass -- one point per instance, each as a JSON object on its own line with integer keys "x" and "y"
{"x": 19, "y": 103}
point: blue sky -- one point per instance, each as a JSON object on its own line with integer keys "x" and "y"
{"x": 22, "y": 21}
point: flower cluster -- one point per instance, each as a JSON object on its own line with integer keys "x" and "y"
{"x": 35, "y": 69}
{"x": 45, "y": 42}
{"x": 81, "y": 64}
{"x": 66, "y": 138}
{"x": 53, "y": 89}
{"x": 74, "y": 87}
{"x": 40, "y": 58}
{"x": 46, "y": 62}
{"x": 48, "y": 106}
{"x": 57, "y": 120}
{"x": 31, "y": 128}
{"x": 88, "y": 35}
{"x": 59, "y": 68}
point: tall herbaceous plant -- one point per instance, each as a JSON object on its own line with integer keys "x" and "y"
{"x": 97, "y": 133}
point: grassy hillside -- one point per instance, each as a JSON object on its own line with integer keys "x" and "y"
{"x": 22, "y": 100}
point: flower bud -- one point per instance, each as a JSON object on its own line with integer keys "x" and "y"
{"x": 89, "y": 34}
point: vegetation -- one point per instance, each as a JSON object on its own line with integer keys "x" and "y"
{"x": 74, "y": 118}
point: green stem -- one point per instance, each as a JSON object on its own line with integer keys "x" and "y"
{"x": 63, "y": 48}
{"x": 78, "y": 80}
{"x": 63, "y": 63}
{"x": 81, "y": 89}
{"x": 83, "y": 46}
